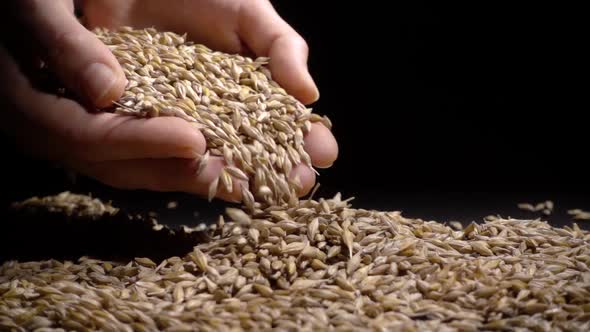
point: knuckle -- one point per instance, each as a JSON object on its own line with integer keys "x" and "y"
{"x": 66, "y": 42}
{"x": 301, "y": 43}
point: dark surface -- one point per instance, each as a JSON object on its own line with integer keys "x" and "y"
{"x": 445, "y": 113}
{"x": 444, "y": 206}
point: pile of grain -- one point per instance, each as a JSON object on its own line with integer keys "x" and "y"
{"x": 245, "y": 116}
{"x": 321, "y": 264}
{"x": 288, "y": 264}
{"x": 69, "y": 204}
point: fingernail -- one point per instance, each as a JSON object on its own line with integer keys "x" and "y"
{"x": 98, "y": 79}
{"x": 297, "y": 183}
{"x": 316, "y": 92}
{"x": 325, "y": 166}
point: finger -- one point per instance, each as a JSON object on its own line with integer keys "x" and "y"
{"x": 163, "y": 175}
{"x": 106, "y": 136}
{"x": 209, "y": 22}
{"x": 267, "y": 34}
{"x": 321, "y": 146}
{"x": 212, "y": 23}
{"x": 82, "y": 62}
{"x": 69, "y": 4}
{"x": 305, "y": 177}
{"x": 62, "y": 129}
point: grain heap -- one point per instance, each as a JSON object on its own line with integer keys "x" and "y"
{"x": 245, "y": 116}
{"x": 70, "y": 205}
{"x": 288, "y": 264}
{"x": 321, "y": 265}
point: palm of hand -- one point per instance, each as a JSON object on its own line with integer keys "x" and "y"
{"x": 159, "y": 153}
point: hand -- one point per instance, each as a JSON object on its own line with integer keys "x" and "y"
{"x": 126, "y": 152}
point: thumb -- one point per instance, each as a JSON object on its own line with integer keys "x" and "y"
{"x": 83, "y": 63}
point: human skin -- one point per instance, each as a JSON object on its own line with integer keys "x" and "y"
{"x": 157, "y": 154}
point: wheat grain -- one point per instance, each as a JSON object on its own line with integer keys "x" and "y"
{"x": 404, "y": 273}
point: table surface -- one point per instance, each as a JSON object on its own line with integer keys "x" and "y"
{"x": 441, "y": 206}
{"x": 39, "y": 238}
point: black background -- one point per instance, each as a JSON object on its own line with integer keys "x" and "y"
{"x": 441, "y": 111}
{"x": 423, "y": 98}
{"x": 451, "y": 111}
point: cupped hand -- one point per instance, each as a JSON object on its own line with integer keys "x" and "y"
{"x": 157, "y": 154}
